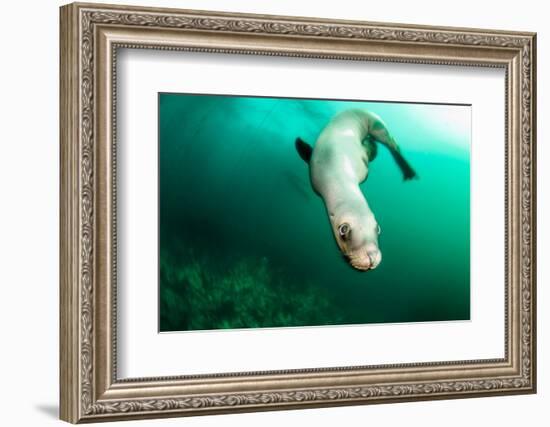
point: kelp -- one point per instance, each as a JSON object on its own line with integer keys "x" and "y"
{"x": 196, "y": 294}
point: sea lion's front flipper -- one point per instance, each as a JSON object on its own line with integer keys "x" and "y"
{"x": 371, "y": 147}
{"x": 408, "y": 171}
{"x": 303, "y": 149}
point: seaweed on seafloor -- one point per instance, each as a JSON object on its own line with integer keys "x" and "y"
{"x": 196, "y": 295}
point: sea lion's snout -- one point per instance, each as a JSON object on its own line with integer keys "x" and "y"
{"x": 359, "y": 243}
{"x": 367, "y": 259}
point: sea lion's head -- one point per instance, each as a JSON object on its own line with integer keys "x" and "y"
{"x": 356, "y": 234}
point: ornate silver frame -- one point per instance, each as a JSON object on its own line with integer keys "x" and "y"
{"x": 90, "y": 36}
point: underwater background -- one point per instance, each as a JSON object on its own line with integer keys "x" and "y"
{"x": 245, "y": 242}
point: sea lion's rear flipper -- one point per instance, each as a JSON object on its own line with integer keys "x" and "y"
{"x": 303, "y": 149}
{"x": 408, "y": 171}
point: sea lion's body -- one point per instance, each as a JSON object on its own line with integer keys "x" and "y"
{"x": 340, "y": 156}
{"x": 339, "y": 162}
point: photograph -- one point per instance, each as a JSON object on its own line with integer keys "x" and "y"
{"x": 262, "y": 212}
{"x": 287, "y": 212}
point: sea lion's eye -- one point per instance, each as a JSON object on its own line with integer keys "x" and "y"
{"x": 344, "y": 230}
{"x": 378, "y": 229}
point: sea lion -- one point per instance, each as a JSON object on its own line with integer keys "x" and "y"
{"x": 338, "y": 163}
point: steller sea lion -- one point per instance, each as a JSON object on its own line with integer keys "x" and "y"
{"x": 338, "y": 163}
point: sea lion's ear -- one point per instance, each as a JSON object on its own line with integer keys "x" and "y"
{"x": 303, "y": 149}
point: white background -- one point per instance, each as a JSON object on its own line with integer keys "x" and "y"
{"x": 143, "y": 352}
{"x": 29, "y": 171}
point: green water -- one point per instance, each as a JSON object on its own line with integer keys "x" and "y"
{"x": 245, "y": 242}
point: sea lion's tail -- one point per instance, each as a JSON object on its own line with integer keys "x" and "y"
{"x": 406, "y": 169}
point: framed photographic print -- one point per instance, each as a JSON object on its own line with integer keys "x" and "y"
{"x": 266, "y": 212}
